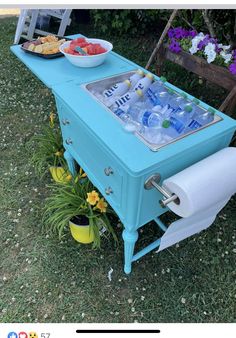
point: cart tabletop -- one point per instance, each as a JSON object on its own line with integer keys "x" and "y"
{"x": 60, "y": 70}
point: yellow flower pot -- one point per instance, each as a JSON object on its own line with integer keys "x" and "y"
{"x": 59, "y": 174}
{"x": 81, "y": 233}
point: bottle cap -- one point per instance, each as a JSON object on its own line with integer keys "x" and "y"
{"x": 140, "y": 72}
{"x": 150, "y": 76}
{"x": 211, "y": 110}
{"x": 139, "y": 92}
{"x": 188, "y": 108}
{"x": 128, "y": 83}
{"x": 184, "y": 95}
{"x": 162, "y": 79}
{"x": 196, "y": 101}
{"x": 165, "y": 124}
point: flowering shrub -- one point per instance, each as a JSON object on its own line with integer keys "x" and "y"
{"x": 203, "y": 45}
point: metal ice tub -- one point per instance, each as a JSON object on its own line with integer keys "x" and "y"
{"x": 103, "y": 84}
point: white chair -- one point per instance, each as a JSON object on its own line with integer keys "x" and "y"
{"x": 26, "y": 26}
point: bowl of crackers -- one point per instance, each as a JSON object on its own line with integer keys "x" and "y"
{"x": 46, "y": 46}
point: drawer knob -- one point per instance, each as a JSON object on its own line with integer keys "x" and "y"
{"x": 65, "y": 122}
{"x": 108, "y": 191}
{"x": 108, "y": 171}
{"x": 69, "y": 141}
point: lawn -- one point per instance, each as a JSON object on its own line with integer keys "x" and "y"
{"x": 43, "y": 279}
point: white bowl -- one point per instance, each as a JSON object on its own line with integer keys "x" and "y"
{"x": 90, "y": 60}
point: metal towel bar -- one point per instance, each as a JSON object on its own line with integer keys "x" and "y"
{"x": 152, "y": 182}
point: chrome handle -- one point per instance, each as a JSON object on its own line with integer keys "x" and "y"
{"x": 69, "y": 141}
{"x": 108, "y": 191}
{"x": 108, "y": 171}
{"x": 65, "y": 122}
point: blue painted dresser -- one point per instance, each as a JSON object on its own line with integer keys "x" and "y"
{"x": 117, "y": 162}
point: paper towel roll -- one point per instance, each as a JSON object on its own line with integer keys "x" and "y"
{"x": 204, "y": 184}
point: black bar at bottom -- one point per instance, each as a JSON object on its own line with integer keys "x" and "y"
{"x": 117, "y": 331}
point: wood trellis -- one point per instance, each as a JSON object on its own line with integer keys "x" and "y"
{"x": 218, "y": 75}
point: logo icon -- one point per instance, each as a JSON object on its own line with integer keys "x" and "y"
{"x": 33, "y": 335}
{"x": 12, "y": 335}
{"x": 22, "y": 335}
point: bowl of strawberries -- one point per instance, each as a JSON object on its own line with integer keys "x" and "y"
{"x": 85, "y": 52}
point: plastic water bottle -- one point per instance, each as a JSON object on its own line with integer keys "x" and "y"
{"x": 179, "y": 121}
{"x": 197, "y": 109}
{"x": 135, "y": 78}
{"x": 122, "y": 115}
{"x": 152, "y": 92}
{"x": 152, "y": 134}
{"x": 165, "y": 111}
{"x": 168, "y": 130}
{"x": 147, "y": 118}
{"x": 127, "y": 99}
{"x": 117, "y": 89}
{"x": 151, "y": 119}
{"x": 200, "y": 120}
{"x": 144, "y": 83}
{"x": 179, "y": 101}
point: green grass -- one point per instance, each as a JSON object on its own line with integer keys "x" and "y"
{"x": 43, "y": 279}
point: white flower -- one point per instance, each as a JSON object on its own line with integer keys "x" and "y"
{"x": 224, "y": 47}
{"x": 210, "y": 52}
{"x": 226, "y": 56}
{"x": 195, "y": 42}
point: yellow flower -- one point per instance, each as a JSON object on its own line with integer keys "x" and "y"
{"x": 58, "y": 153}
{"x": 68, "y": 177}
{"x": 51, "y": 118}
{"x": 81, "y": 173}
{"x": 92, "y": 198}
{"x": 102, "y": 205}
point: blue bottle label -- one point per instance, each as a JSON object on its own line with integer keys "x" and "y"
{"x": 152, "y": 97}
{"x": 176, "y": 110}
{"x": 146, "y": 117}
{"x": 194, "y": 124}
{"x": 177, "y": 124}
{"x": 119, "y": 112}
{"x": 110, "y": 91}
{"x": 123, "y": 100}
{"x": 139, "y": 86}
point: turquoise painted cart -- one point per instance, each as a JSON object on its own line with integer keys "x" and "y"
{"x": 117, "y": 162}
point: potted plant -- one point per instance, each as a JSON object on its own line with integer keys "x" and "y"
{"x": 79, "y": 206}
{"x": 48, "y": 152}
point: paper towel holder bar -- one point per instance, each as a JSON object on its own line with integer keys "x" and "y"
{"x": 152, "y": 182}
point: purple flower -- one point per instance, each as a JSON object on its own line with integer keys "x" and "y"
{"x": 179, "y": 33}
{"x": 232, "y": 68}
{"x": 204, "y": 42}
{"x": 174, "y": 46}
{"x": 213, "y": 40}
{"x": 171, "y": 33}
{"x": 192, "y": 33}
{"x": 234, "y": 54}
{"x": 218, "y": 49}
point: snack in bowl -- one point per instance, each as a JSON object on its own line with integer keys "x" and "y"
{"x": 88, "y": 47}
{"x": 44, "y": 45}
{"x": 86, "y": 52}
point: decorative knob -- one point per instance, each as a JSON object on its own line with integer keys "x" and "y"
{"x": 65, "y": 122}
{"x": 108, "y": 171}
{"x": 108, "y": 191}
{"x": 69, "y": 141}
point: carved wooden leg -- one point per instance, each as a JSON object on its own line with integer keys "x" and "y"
{"x": 70, "y": 162}
{"x": 129, "y": 237}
